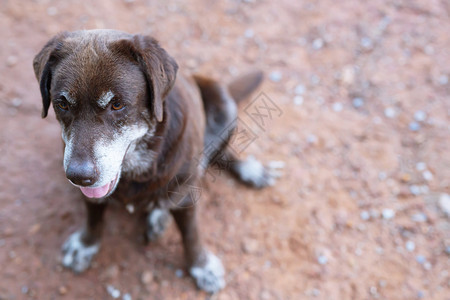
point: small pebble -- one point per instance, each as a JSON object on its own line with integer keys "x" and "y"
{"x": 366, "y": 42}
{"x": 373, "y": 290}
{"x": 2, "y": 242}
{"x": 130, "y": 208}
{"x": 410, "y": 246}
{"x": 127, "y": 297}
{"x": 415, "y": 190}
{"x": 317, "y": 44}
{"x": 414, "y": 126}
{"x": 427, "y": 175}
{"x": 298, "y": 100}
{"x": 179, "y": 273}
{"x": 443, "y": 79}
{"x": 11, "y": 61}
{"x": 16, "y": 102}
{"x": 357, "y": 102}
{"x": 382, "y": 176}
{"x": 275, "y": 76}
{"x": 421, "y": 166}
{"x": 322, "y": 259}
{"x": 427, "y": 265}
{"x": 388, "y": 213}
{"x": 365, "y": 215}
{"x": 420, "y": 116}
{"x": 444, "y": 203}
{"x": 421, "y": 259}
{"x": 249, "y": 33}
{"x": 311, "y": 139}
{"x": 315, "y": 292}
{"x": 115, "y": 293}
{"x": 62, "y": 290}
{"x": 405, "y": 177}
{"x": 337, "y": 106}
{"x": 24, "y": 289}
{"x": 390, "y": 112}
{"x": 348, "y": 75}
{"x": 300, "y": 89}
{"x": 419, "y": 217}
{"x": 420, "y": 294}
{"x": 147, "y": 277}
{"x": 250, "y": 246}
{"x": 447, "y": 250}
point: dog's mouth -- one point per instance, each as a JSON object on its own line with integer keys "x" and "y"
{"x": 101, "y": 191}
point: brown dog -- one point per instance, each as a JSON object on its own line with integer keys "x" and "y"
{"x": 135, "y": 134}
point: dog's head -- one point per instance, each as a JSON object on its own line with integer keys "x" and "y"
{"x": 107, "y": 89}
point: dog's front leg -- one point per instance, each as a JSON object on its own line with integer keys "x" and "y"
{"x": 81, "y": 246}
{"x": 204, "y": 266}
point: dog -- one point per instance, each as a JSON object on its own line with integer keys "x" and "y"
{"x": 136, "y": 132}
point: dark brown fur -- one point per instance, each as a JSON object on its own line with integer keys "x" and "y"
{"x": 185, "y": 115}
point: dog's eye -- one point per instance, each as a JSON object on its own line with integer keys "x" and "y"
{"x": 63, "y": 104}
{"x": 116, "y": 105}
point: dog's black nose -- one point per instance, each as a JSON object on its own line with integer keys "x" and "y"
{"x": 81, "y": 173}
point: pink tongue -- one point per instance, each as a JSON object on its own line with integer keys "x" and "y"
{"x": 97, "y": 192}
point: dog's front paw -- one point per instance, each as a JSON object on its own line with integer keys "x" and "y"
{"x": 209, "y": 275}
{"x": 157, "y": 221}
{"x": 252, "y": 172}
{"x": 76, "y": 255}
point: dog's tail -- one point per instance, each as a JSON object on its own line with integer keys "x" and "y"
{"x": 241, "y": 87}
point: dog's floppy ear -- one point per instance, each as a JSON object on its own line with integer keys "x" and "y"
{"x": 158, "y": 66}
{"x": 43, "y": 63}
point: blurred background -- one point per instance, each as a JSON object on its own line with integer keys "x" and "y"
{"x": 362, "y": 211}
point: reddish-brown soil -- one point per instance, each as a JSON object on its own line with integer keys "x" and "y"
{"x": 360, "y": 210}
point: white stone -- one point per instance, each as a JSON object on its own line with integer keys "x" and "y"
{"x": 337, "y": 106}
{"x": 388, "y": 213}
{"x": 390, "y": 112}
{"x": 427, "y": 175}
{"x": 317, "y": 44}
{"x": 421, "y": 166}
{"x": 275, "y": 76}
{"x": 410, "y": 246}
{"x": 444, "y": 203}
{"x": 420, "y": 116}
{"x": 298, "y": 100}
{"x": 300, "y": 89}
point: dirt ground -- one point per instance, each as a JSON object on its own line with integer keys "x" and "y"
{"x": 361, "y": 90}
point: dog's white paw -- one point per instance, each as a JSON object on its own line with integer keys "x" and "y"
{"x": 210, "y": 275}
{"x": 254, "y": 173}
{"x": 76, "y": 255}
{"x": 157, "y": 222}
